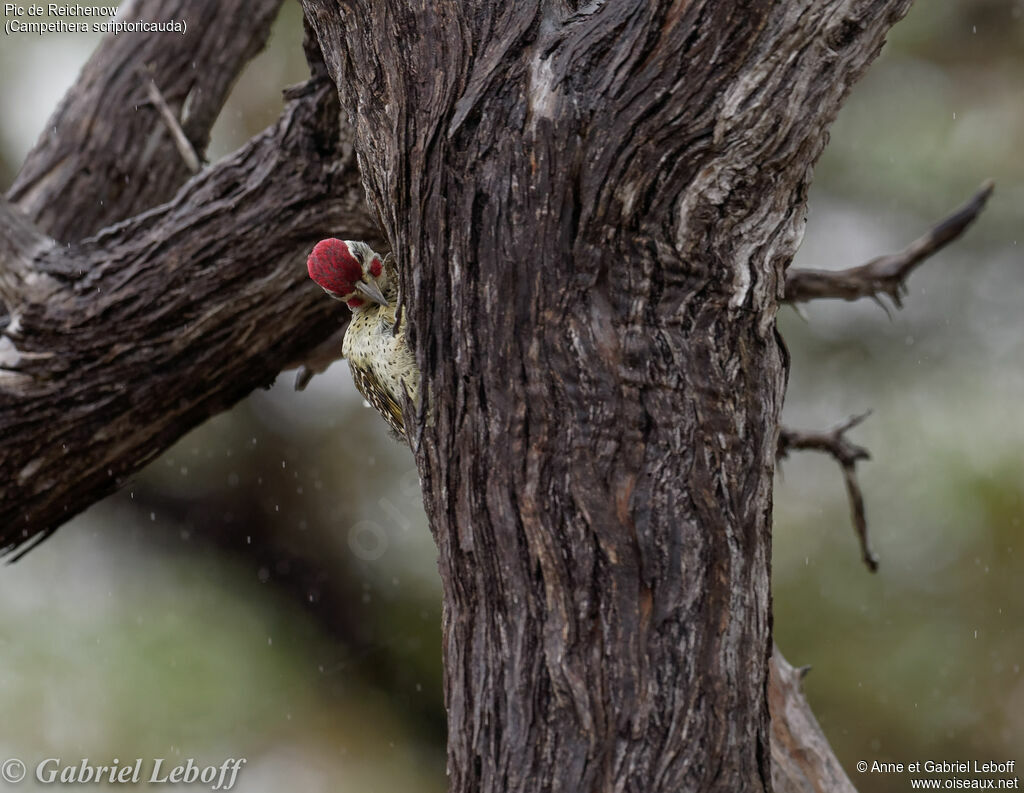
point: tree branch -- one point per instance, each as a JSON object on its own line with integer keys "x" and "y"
{"x": 106, "y": 154}
{"x": 130, "y": 338}
{"x": 802, "y": 760}
{"x": 168, "y": 318}
{"x": 886, "y": 275}
{"x": 847, "y": 454}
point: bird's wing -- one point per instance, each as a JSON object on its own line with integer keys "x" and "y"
{"x": 381, "y": 400}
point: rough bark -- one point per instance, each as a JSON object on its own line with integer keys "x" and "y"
{"x": 117, "y": 345}
{"x": 592, "y": 207}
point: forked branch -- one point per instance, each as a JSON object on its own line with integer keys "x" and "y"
{"x": 835, "y": 443}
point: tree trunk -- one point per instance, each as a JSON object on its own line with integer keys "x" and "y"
{"x": 592, "y": 207}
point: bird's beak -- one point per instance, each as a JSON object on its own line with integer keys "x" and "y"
{"x": 371, "y": 291}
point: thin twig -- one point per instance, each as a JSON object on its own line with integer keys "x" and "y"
{"x": 185, "y": 148}
{"x": 886, "y": 275}
{"x": 847, "y": 454}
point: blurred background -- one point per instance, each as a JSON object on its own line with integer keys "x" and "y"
{"x": 268, "y": 588}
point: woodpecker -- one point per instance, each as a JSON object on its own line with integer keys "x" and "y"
{"x": 382, "y": 365}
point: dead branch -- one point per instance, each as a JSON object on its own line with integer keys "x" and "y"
{"x": 181, "y": 141}
{"x": 886, "y": 275}
{"x": 802, "y": 760}
{"x": 106, "y": 154}
{"x": 847, "y": 454}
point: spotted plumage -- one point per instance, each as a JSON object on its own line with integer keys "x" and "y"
{"x": 382, "y": 365}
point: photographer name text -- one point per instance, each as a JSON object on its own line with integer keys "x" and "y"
{"x": 53, "y": 770}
